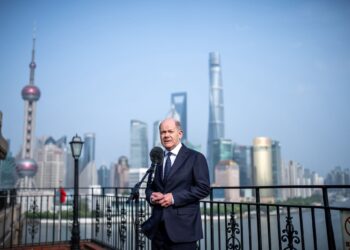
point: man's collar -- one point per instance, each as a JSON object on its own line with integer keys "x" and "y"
{"x": 175, "y": 150}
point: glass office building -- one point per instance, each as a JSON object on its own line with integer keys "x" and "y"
{"x": 276, "y": 167}
{"x": 156, "y": 134}
{"x": 243, "y": 156}
{"x": 138, "y": 144}
{"x": 179, "y": 102}
{"x": 103, "y": 174}
{"x": 89, "y": 149}
{"x": 222, "y": 152}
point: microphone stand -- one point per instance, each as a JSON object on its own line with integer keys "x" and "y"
{"x": 135, "y": 195}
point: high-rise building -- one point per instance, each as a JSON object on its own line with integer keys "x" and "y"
{"x": 316, "y": 179}
{"x": 51, "y": 163}
{"x": 138, "y": 144}
{"x": 307, "y": 181}
{"x": 262, "y": 162}
{"x": 293, "y": 174}
{"x": 222, "y": 150}
{"x": 156, "y": 134}
{"x": 69, "y": 180}
{"x": 8, "y": 171}
{"x": 243, "y": 156}
{"x": 178, "y": 112}
{"x": 120, "y": 173}
{"x": 88, "y": 176}
{"x": 338, "y": 176}
{"x": 103, "y": 174}
{"x": 216, "y": 108}
{"x": 89, "y": 149}
{"x": 179, "y": 102}
{"x": 88, "y": 170}
{"x": 173, "y": 114}
{"x": 227, "y": 175}
{"x": 27, "y": 167}
{"x": 276, "y": 167}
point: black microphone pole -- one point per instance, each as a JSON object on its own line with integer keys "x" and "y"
{"x": 135, "y": 192}
{"x": 156, "y": 155}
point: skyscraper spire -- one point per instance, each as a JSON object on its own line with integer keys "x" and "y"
{"x": 32, "y": 64}
{"x": 216, "y": 108}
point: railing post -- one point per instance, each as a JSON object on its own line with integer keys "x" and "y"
{"x": 12, "y": 220}
{"x": 13, "y": 196}
{"x": 258, "y": 218}
{"x": 54, "y": 214}
{"x": 328, "y": 218}
{"x": 211, "y": 220}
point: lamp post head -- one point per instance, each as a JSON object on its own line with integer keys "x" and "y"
{"x": 76, "y": 145}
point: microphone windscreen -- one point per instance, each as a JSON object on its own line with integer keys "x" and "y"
{"x": 156, "y": 155}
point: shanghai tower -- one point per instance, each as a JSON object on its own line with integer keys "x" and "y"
{"x": 216, "y": 108}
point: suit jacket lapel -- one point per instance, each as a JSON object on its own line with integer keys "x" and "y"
{"x": 180, "y": 158}
{"x": 159, "y": 174}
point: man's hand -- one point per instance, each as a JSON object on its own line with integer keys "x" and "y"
{"x": 167, "y": 200}
{"x": 156, "y": 197}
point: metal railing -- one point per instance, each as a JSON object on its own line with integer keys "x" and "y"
{"x": 261, "y": 220}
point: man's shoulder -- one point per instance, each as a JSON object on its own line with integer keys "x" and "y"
{"x": 191, "y": 151}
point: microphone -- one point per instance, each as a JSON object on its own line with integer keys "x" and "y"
{"x": 156, "y": 155}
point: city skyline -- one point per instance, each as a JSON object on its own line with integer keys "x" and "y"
{"x": 285, "y": 69}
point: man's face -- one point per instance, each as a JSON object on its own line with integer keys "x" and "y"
{"x": 170, "y": 135}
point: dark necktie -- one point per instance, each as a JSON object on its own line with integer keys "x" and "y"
{"x": 167, "y": 166}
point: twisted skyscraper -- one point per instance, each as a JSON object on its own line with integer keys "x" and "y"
{"x": 216, "y": 108}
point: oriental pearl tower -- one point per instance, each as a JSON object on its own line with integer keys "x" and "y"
{"x": 27, "y": 167}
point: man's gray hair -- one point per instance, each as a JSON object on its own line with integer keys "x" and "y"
{"x": 177, "y": 123}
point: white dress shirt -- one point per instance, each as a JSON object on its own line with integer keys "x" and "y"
{"x": 173, "y": 155}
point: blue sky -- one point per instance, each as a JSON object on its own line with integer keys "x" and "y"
{"x": 285, "y": 65}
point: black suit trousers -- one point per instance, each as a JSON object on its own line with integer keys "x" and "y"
{"x": 161, "y": 241}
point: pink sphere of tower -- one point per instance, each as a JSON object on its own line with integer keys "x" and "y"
{"x": 26, "y": 167}
{"x": 32, "y": 65}
{"x": 30, "y": 93}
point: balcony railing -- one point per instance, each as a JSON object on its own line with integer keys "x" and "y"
{"x": 264, "y": 219}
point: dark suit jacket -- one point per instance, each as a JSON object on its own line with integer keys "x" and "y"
{"x": 188, "y": 181}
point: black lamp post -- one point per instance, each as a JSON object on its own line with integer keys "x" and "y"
{"x": 76, "y": 145}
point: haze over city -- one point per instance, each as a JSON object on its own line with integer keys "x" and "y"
{"x": 285, "y": 68}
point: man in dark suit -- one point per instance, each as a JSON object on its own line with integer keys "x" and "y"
{"x": 174, "y": 193}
